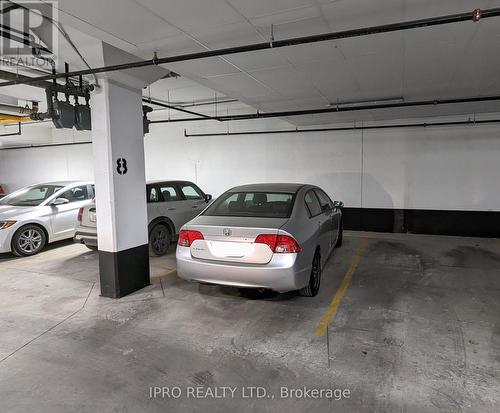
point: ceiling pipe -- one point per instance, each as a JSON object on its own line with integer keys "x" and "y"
{"x": 16, "y": 109}
{"x": 6, "y": 119}
{"x": 165, "y": 105}
{"x": 45, "y": 85}
{"x": 204, "y": 103}
{"x": 274, "y": 44}
{"x": 342, "y": 128}
{"x": 48, "y": 145}
{"x": 32, "y": 122}
{"x": 284, "y": 114}
{"x": 4, "y": 74}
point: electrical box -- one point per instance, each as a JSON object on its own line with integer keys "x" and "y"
{"x": 83, "y": 120}
{"x": 63, "y": 115}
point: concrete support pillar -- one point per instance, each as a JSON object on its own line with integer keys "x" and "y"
{"x": 119, "y": 169}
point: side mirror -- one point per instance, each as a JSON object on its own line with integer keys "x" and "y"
{"x": 59, "y": 201}
{"x": 208, "y": 198}
{"x": 338, "y": 204}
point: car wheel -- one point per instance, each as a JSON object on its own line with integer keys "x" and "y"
{"x": 160, "y": 239}
{"x": 28, "y": 240}
{"x": 311, "y": 289}
{"x": 340, "y": 236}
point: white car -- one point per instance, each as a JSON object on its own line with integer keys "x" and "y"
{"x": 40, "y": 214}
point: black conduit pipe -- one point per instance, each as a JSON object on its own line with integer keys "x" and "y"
{"x": 44, "y": 85}
{"x": 48, "y": 145}
{"x": 366, "y": 31}
{"x": 165, "y": 105}
{"x": 344, "y": 128}
{"x": 334, "y": 109}
{"x": 212, "y": 102}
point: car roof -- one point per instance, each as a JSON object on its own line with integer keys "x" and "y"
{"x": 64, "y": 183}
{"x": 169, "y": 181}
{"x": 268, "y": 187}
{"x": 154, "y": 181}
{"x": 148, "y": 182}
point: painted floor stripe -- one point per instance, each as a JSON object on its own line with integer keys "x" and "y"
{"x": 330, "y": 312}
{"x": 163, "y": 274}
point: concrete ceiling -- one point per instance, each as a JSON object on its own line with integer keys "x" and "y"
{"x": 431, "y": 63}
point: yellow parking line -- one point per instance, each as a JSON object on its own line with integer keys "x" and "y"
{"x": 163, "y": 274}
{"x": 330, "y": 312}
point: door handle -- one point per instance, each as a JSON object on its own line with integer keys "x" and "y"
{"x": 171, "y": 209}
{"x": 195, "y": 207}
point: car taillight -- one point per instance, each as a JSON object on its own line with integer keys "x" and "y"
{"x": 187, "y": 237}
{"x": 80, "y": 215}
{"x": 279, "y": 244}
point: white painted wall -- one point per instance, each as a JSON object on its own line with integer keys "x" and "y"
{"x": 220, "y": 162}
{"x": 455, "y": 168}
{"x": 21, "y": 167}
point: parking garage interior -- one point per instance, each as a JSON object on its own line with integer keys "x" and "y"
{"x": 393, "y": 109}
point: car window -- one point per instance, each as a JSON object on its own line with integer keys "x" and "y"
{"x": 169, "y": 193}
{"x": 31, "y": 196}
{"x": 76, "y": 194}
{"x": 252, "y": 204}
{"x": 190, "y": 192}
{"x": 312, "y": 204}
{"x": 152, "y": 194}
{"x": 324, "y": 200}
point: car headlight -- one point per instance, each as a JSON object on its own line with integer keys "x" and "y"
{"x": 6, "y": 224}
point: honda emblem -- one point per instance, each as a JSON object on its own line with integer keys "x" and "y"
{"x": 227, "y": 232}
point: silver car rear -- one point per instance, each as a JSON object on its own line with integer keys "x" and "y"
{"x": 232, "y": 239}
{"x": 274, "y": 250}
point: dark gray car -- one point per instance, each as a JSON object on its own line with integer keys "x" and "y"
{"x": 269, "y": 236}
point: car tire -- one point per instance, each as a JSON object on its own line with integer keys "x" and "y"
{"x": 160, "y": 239}
{"x": 312, "y": 288}
{"x": 338, "y": 244}
{"x": 28, "y": 240}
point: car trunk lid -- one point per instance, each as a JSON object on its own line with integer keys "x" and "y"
{"x": 231, "y": 239}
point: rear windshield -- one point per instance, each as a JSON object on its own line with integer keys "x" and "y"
{"x": 252, "y": 204}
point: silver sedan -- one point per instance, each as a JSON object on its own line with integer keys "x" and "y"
{"x": 265, "y": 236}
{"x": 39, "y": 214}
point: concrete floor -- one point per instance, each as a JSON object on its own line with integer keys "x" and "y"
{"x": 417, "y": 331}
